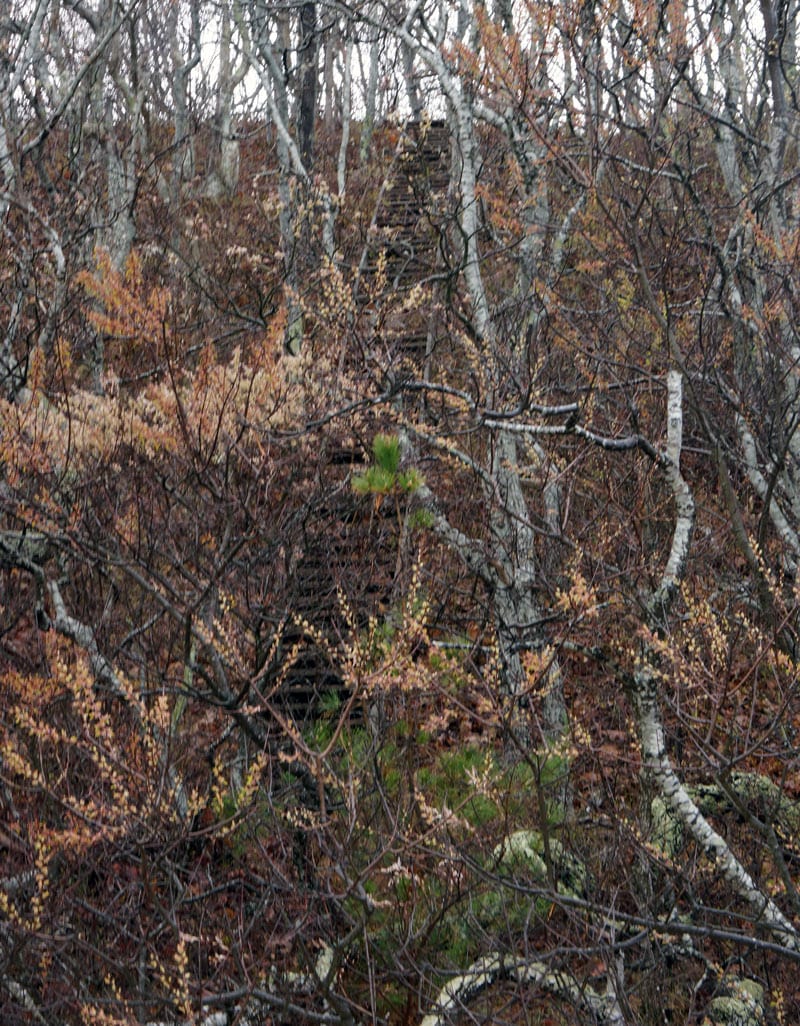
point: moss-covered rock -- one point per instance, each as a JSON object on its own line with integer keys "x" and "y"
{"x": 743, "y": 1005}
{"x": 525, "y": 849}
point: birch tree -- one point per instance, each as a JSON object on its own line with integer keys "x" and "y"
{"x": 507, "y": 562}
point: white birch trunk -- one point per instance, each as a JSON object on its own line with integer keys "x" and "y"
{"x": 646, "y": 689}
{"x": 261, "y": 56}
{"x": 456, "y": 995}
{"x": 511, "y": 555}
{"x": 224, "y": 174}
{"x": 651, "y": 732}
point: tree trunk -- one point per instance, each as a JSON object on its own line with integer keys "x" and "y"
{"x": 307, "y": 101}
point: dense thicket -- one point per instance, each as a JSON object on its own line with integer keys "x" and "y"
{"x": 399, "y": 513}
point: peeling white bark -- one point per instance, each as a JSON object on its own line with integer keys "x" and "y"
{"x": 681, "y": 493}
{"x": 654, "y": 754}
{"x": 646, "y": 689}
{"x": 457, "y": 993}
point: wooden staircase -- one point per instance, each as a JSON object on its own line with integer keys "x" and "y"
{"x": 408, "y": 227}
{"x": 347, "y": 542}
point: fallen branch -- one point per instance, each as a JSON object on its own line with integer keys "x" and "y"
{"x": 458, "y": 992}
